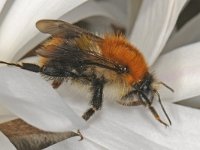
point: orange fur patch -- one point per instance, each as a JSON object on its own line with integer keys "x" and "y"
{"x": 117, "y": 48}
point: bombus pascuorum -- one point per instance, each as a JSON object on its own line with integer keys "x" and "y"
{"x": 74, "y": 53}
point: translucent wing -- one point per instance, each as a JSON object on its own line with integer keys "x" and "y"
{"x": 73, "y": 46}
{"x": 63, "y": 29}
{"x": 70, "y": 55}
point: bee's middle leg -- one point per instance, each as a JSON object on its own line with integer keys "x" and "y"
{"x": 97, "y": 99}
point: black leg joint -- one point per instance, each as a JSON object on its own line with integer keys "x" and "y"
{"x": 88, "y": 114}
{"x": 31, "y": 67}
{"x": 96, "y": 102}
{"x": 97, "y": 86}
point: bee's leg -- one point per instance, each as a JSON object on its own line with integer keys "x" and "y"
{"x": 47, "y": 70}
{"x": 26, "y": 66}
{"x": 152, "y": 109}
{"x": 96, "y": 101}
{"x": 57, "y": 82}
{"x": 157, "y": 117}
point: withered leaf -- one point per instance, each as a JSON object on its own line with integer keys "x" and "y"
{"x": 26, "y": 137}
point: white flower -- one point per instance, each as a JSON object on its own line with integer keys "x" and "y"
{"x": 115, "y": 127}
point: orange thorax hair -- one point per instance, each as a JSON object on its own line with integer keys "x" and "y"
{"x": 117, "y": 49}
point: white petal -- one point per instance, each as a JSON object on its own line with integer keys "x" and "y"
{"x": 18, "y": 26}
{"x": 132, "y": 9}
{"x": 120, "y": 127}
{"x": 154, "y": 25}
{"x": 114, "y": 136}
{"x": 106, "y": 126}
{"x": 28, "y": 96}
{"x": 74, "y": 144}
{"x": 180, "y": 70}
{"x": 85, "y": 10}
{"x": 7, "y": 117}
{"x": 88, "y": 9}
{"x": 2, "y": 4}
{"x": 5, "y": 143}
{"x": 188, "y": 34}
{"x": 192, "y": 102}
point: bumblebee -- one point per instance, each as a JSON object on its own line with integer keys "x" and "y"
{"x": 74, "y": 53}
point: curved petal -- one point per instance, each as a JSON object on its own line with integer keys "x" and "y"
{"x": 74, "y": 144}
{"x": 188, "y": 34}
{"x": 7, "y": 117}
{"x": 192, "y": 102}
{"x": 108, "y": 127}
{"x": 132, "y": 11}
{"x": 120, "y": 127}
{"x": 2, "y": 4}
{"x": 180, "y": 70}
{"x": 17, "y": 27}
{"x": 87, "y": 9}
{"x": 114, "y": 136}
{"x": 154, "y": 25}
{"x": 5, "y": 143}
{"x": 32, "y": 99}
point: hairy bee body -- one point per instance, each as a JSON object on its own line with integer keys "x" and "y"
{"x": 76, "y": 54}
{"x": 113, "y": 47}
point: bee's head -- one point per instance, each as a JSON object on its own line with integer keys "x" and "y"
{"x": 149, "y": 85}
{"x": 146, "y": 89}
{"x": 145, "y": 85}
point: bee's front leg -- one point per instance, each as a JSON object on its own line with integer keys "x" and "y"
{"x": 97, "y": 99}
{"x": 25, "y": 66}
